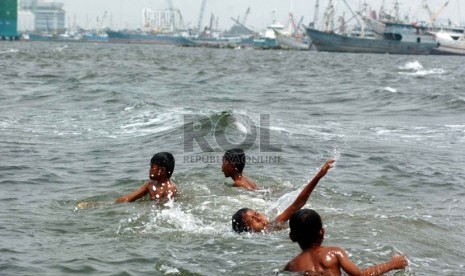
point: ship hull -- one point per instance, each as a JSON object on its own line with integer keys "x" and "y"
{"x": 330, "y": 42}
{"x": 147, "y": 38}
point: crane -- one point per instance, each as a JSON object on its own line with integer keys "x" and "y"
{"x": 437, "y": 13}
{"x": 300, "y": 24}
{"x": 315, "y": 17}
{"x": 170, "y": 5}
{"x": 426, "y": 7}
{"x": 202, "y": 9}
{"x": 295, "y": 27}
{"x": 212, "y": 20}
{"x": 243, "y": 26}
{"x": 100, "y": 23}
{"x": 245, "y": 16}
{"x": 328, "y": 25}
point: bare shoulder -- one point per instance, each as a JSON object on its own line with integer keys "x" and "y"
{"x": 245, "y": 182}
{"x": 331, "y": 255}
{"x": 298, "y": 263}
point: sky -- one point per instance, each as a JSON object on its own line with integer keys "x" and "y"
{"x": 127, "y": 13}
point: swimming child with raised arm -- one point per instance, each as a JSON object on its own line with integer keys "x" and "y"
{"x": 160, "y": 188}
{"x": 307, "y": 230}
{"x": 249, "y": 220}
{"x": 233, "y": 165}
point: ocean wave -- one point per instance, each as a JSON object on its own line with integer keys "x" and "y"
{"x": 9, "y": 51}
{"x": 416, "y": 69}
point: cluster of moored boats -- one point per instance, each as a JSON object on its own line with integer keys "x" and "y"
{"x": 393, "y": 38}
{"x": 374, "y": 34}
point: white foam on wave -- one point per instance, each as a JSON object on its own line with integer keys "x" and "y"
{"x": 141, "y": 120}
{"x": 149, "y": 122}
{"x": 9, "y": 51}
{"x": 171, "y": 218}
{"x": 174, "y": 217}
{"x": 169, "y": 270}
{"x": 60, "y": 49}
{"x": 244, "y": 121}
{"x": 416, "y": 69}
{"x": 390, "y": 89}
{"x": 412, "y": 65}
{"x": 422, "y": 73}
{"x": 456, "y": 126}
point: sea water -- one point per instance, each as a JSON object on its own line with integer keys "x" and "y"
{"x": 80, "y": 122}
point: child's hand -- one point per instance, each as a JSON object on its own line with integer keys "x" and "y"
{"x": 328, "y": 164}
{"x": 399, "y": 262}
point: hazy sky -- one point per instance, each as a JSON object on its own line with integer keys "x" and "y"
{"x": 127, "y": 13}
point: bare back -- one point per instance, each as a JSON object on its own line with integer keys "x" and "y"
{"x": 161, "y": 192}
{"x": 317, "y": 261}
{"x": 245, "y": 182}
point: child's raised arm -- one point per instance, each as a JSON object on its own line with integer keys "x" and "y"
{"x": 302, "y": 198}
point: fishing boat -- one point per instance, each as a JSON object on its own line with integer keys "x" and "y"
{"x": 387, "y": 26}
{"x": 399, "y": 31}
{"x": 268, "y": 39}
{"x": 95, "y": 37}
{"x": 143, "y": 37}
{"x": 332, "y": 42}
{"x": 449, "y": 44}
{"x": 289, "y": 42}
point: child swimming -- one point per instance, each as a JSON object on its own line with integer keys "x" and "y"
{"x": 249, "y": 220}
{"x": 160, "y": 188}
{"x": 233, "y": 165}
{"x": 306, "y": 229}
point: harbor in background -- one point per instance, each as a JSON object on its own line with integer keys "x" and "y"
{"x": 368, "y": 30}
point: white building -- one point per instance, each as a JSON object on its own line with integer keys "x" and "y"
{"x": 50, "y": 17}
{"x": 42, "y": 16}
{"x": 26, "y": 21}
{"x": 166, "y": 21}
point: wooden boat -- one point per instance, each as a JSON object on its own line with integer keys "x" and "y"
{"x": 332, "y": 42}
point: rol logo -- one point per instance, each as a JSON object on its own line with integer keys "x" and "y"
{"x": 225, "y": 131}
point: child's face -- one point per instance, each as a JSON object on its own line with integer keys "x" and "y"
{"x": 228, "y": 168}
{"x": 255, "y": 221}
{"x": 155, "y": 172}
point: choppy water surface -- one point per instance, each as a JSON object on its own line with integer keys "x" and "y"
{"x": 80, "y": 122}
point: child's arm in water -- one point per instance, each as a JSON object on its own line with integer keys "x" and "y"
{"x": 142, "y": 191}
{"x": 303, "y": 196}
{"x": 396, "y": 262}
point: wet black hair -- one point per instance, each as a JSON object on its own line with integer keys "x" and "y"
{"x": 238, "y": 223}
{"x": 236, "y": 157}
{"x": 305, "y": 226}
{"x": 164, "y": 160}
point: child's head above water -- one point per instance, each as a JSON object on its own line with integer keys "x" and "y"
{"x": 238, "y": 224}
{"x": 249, "y": 220}
{"x": 163, "y": 160}
{"x": 306, "y": 228}
{"x": 233, "y": 161}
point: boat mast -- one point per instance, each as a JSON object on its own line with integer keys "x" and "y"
{"x": 315, "y": 16}
{"x": 329, "y": 18}
{"x": 396, "y": 11}
{"x": 433, "y": 17}
{"x": 202, "y": 9}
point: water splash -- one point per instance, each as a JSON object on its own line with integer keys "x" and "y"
{"x": 416, "y": 69}
{"x": 336, "y": 154}
{"x": 169, "y": 270}
{"x": 390, "y": 89}
{"x": 60, "y": 49}
{"x": 412, "y": 65}
{"x": 9, "y": 51}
